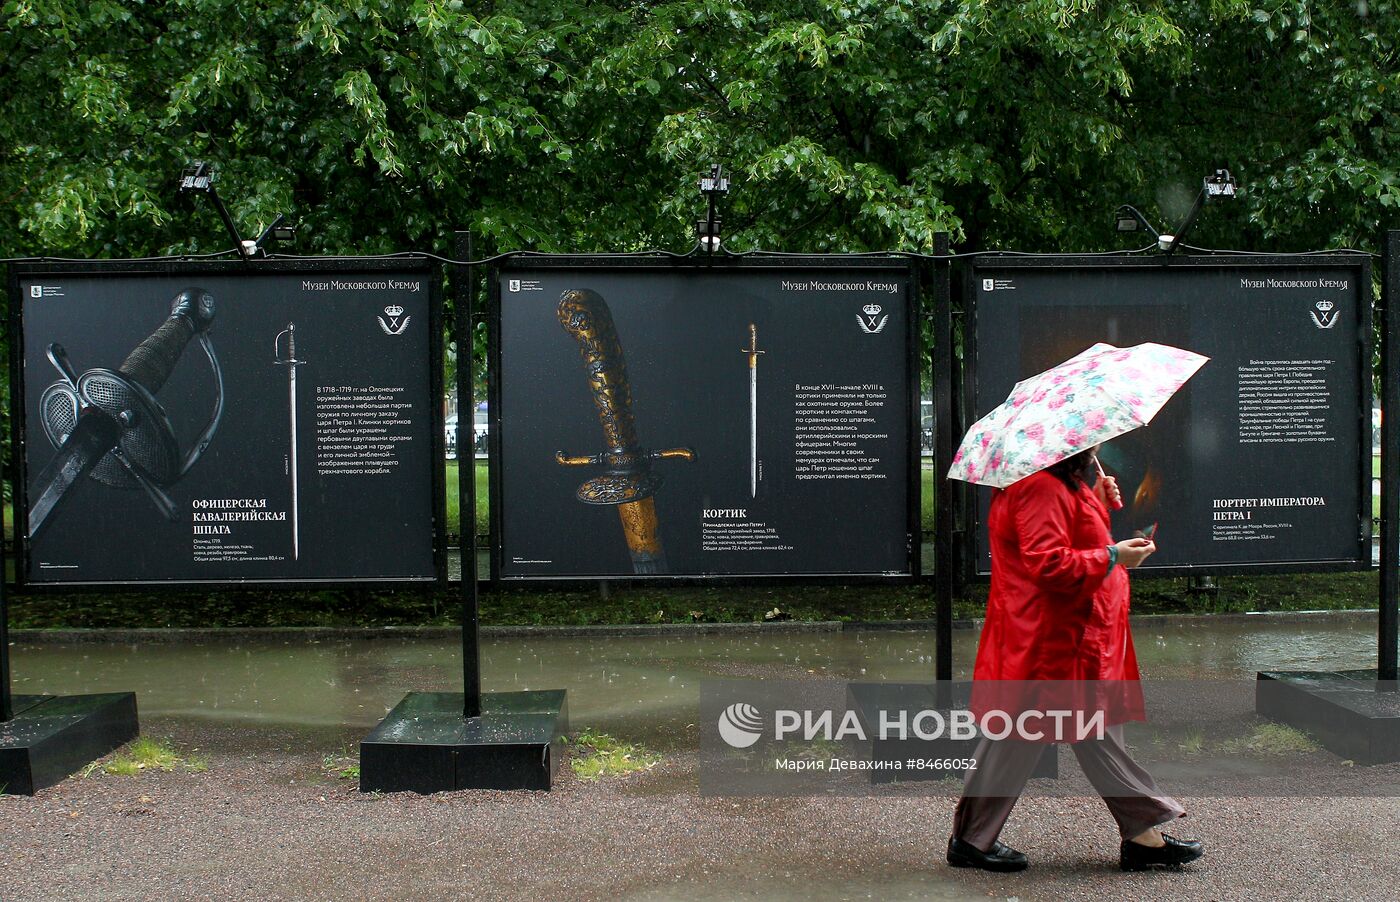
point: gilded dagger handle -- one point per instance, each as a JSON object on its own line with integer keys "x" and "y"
{"x": 752, "y": 350}
{"x": 585, "y": 315}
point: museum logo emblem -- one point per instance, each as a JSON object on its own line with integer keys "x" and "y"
{"x": 395, "y": 325}
{"x": 871, "y": 322}
{"x": 1324, "y": 314}
{"x": 740, "y": 725}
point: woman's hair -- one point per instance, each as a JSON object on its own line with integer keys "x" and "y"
{"x": 1072, "y": 470}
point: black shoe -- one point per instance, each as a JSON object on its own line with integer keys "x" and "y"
{"x": 1136, "y": 857}
{"x": 1000, "y": 858}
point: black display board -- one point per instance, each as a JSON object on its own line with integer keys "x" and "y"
{"x": 321, "y": 455}
{"x": 653, "y": 471}
{"x": 1263, "y": 459}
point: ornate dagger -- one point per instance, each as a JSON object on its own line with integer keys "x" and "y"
{"x": 752, "y": 351}
{"x": 628, "y": 481}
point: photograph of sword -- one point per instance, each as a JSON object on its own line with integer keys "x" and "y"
{"x": 291, "y": 363}
{"x": 114, "y": 413}
{"x": 628, "y": 482}
{"x": 752, "y": 351}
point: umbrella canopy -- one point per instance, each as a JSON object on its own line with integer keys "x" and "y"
{"x": 1085, "y": 401}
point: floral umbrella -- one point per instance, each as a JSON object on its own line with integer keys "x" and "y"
{"x": 1085, "y": 401}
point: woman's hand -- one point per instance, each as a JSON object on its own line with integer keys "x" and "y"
{"x": 1132, "y": 552}
{"x": 1106, "y": 490}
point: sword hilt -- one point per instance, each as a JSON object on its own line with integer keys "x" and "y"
{"x": 629, "y": 477}
{"x": 291, "y": 358}
{"x": 150, "y": 363}
{"x": 584, "y": 314}
{"x": 576, "y": 460}
{"x": 752, "y": 350}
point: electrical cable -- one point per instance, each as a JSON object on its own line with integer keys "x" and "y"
{"x": 693, "y": 253}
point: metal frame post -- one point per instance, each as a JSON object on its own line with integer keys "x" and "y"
{"x": 1390, "y": 464}
{"x": 463, "y": 295}
{"x": 7, "y": 710}
{"x": 944, "y": 566}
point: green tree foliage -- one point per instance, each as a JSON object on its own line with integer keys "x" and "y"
{"x": 568, "y": 125}
{"x": 849, "y": 125}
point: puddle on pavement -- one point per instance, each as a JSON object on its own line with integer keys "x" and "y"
{"x": 643, "y": 688}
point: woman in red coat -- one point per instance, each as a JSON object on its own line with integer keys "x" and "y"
{"x": 1058, "y": 611}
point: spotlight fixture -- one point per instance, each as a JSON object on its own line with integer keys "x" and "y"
{"x": 280, "y": 230}
{"x": 1217, "y": 187}
{"x": 1130, "y": 219}
{"x": 713, "y": 186}
{"x": 198, "y": 178}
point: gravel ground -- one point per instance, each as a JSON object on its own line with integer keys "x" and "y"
{"x": 268, "y": 821}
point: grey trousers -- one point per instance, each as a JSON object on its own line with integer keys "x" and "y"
{"x": 1004, "y": 766}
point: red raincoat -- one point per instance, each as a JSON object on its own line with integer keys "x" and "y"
{"x": 1055, "y": 610}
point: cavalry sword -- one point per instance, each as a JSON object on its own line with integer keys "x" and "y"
{"x": 291, "y": 363}
{"x": 628, "y": 483}
{"x": 752, "y": 351}
{"x": 97, "y": 432}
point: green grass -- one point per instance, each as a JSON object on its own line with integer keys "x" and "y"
{"x": 342, "y": 766}
{"x": 483, "y": 499}
{"x": 599, "y": 755}
{"x": 143, "y": 754}
{"x": 1193, "y": 743}
{"x": 625, "y": 604}
{"x": 1375, "y": 499}
{"x": 1271, "y": 739}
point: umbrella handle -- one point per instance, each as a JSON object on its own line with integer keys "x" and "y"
{"x": 1113, "y": 505}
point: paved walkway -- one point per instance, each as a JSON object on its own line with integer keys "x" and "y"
{"x": 267, "y": 821}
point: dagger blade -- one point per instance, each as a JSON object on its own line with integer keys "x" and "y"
{"x": 753, "y": 432}
{"x": 752, "y": 353}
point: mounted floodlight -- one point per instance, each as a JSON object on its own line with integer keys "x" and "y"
{"x": 1129, "y": 219}
{"x": 714, "y": 183}
{"x": 280, "y": 231}
{"x": 198, "y": 177}
{"x": 713, "y": 186}
{"x": 1220, "y": 186}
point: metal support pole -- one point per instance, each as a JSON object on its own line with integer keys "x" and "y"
{"x": 463, "y": 295}
{"x": 7, "y": 710}
{"x": 944, "y": 566}
{"x": 1390, "y": 463}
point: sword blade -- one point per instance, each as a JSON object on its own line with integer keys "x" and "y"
{"x": 753, "y": 432}
{"x": 292, "y": 401}
{"x": 643, "y": 534}
{"x": 93, "y": 436}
